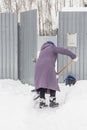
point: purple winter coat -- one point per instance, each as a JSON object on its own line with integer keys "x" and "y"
{"x": 45, "y": 75}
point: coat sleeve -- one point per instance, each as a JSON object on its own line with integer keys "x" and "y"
{"x": 63, "y": 51}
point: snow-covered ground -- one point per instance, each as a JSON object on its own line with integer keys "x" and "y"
{"x": 18, "y": 111}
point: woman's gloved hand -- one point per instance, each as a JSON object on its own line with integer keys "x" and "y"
{"x": 75, "y": 60}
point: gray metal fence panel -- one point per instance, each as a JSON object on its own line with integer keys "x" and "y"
{"x": 0, "y": 50}
{"x": 27, "y": 45}
{"x": 85, "y": 47}
{"x": 73, "y": 22}
{"x": 8, "y": 46}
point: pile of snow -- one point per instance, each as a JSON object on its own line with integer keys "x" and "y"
{"x": 18, "y": 111}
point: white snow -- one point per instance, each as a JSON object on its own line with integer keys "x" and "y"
{"x": 18, "y": 112}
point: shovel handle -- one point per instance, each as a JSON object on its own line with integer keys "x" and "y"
{"x": 65, "y": 67}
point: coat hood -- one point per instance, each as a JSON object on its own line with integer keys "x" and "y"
{"x": 45, "y": 45}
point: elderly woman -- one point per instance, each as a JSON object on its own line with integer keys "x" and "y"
{"x": 45, "y": 75}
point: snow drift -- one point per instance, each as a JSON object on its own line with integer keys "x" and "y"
{"x": 18, "y": 111}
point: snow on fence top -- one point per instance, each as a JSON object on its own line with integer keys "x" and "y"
{"x": 74, "y": 9}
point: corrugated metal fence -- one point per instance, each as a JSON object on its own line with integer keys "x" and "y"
{"x": 18, "y": 46}
{"x": 8, "y": 46}
{"x": 73, "y": 23}
{"x": 27, "y": 46}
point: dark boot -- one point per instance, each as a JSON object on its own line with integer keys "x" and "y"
{"x": 42, "y": 103}
{"x": 53, "y": 102}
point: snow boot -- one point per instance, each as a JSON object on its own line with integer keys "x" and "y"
{"x": 53, "y": 102}
{"x": 42, "y": 103}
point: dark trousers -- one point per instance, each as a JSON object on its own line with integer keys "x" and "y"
{"x": 42, "y": 92}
